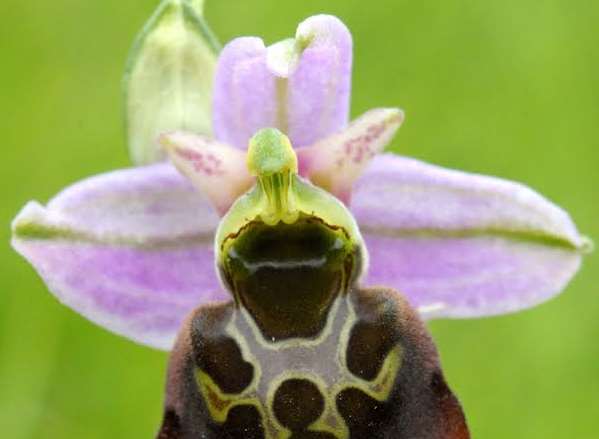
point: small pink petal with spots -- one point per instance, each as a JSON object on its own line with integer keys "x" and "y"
{"x": 335, "y": 162}
{"x": 217, "y": 170}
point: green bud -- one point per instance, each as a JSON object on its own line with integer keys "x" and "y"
{"x": 169, "y": 76}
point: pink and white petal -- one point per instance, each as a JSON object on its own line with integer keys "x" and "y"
{"x": 217, "y": 170}
{"x": 335, "y": 162}
{"x": 150, "y": 204}
{"x": 141, "y": 294}
{"x": 319, "y": 89}
{"x": 245, "y": 92}
{"x": 470, "y": 276}
{"x": 300, "y": 86}
{"x": 462, "y": 245}
{"x": 130, "y": 250}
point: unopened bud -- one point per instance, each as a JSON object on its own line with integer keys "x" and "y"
{"x": 168, "y": 81}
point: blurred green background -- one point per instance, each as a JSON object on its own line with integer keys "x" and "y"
{"x": 508, "y": 88}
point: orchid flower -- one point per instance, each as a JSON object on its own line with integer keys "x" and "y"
{"x": 132, "y": 249}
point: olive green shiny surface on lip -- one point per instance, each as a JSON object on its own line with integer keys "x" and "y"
{"x": 287, "y": 275}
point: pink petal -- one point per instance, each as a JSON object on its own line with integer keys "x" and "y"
{"x": 244, "y": 92}
{"x": 217, "y": 170}
{"x": 469, "y": 277}
{"x": 335, "y": 162}
{"x": 130, "y": 250}
{"x": 301, "y": 86}
{"x": 462, "y": 245}
{"x": 320, "y": 88}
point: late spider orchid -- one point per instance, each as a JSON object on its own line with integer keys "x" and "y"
{"x": 134, "y": 250}
{"x": 303, "y": 350}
